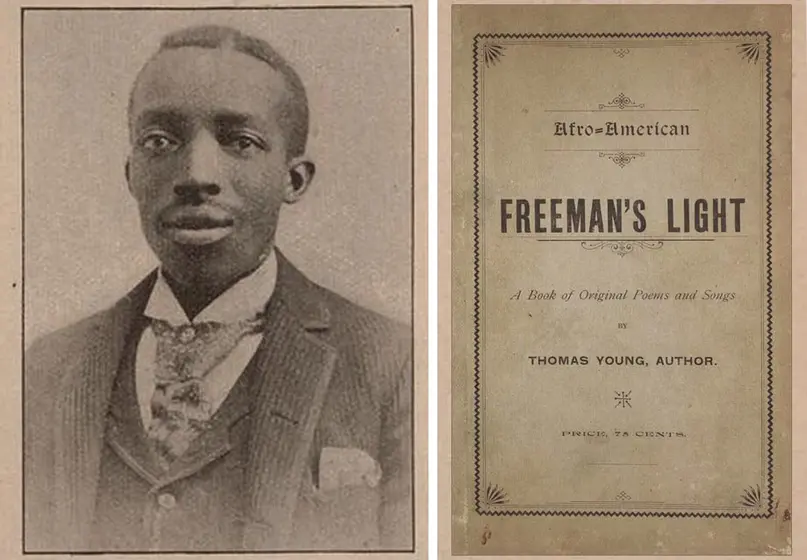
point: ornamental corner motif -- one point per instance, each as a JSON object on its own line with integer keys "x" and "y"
{"x": 749, "y": 51}
{"x": 492, "y": 53}
{"x": 495, "y": 496}
{"x": 752, "y": 497}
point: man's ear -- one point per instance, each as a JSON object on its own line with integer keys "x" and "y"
{"x": 301, "y": 173}
{"x": 126, "y": 173}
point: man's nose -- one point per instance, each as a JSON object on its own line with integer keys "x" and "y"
{"x": 202, "y": 167}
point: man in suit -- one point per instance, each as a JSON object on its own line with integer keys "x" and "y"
{"x": 227, "y": 402}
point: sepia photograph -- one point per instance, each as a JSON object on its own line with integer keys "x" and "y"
{"x": 219, "y": 279}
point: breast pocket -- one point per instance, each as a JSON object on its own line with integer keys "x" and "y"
{"x": 342, "y": 511}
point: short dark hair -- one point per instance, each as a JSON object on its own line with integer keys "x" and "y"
{"x": 293, "y": 117}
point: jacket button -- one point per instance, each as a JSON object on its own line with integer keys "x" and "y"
{"x": 167, "y": 501}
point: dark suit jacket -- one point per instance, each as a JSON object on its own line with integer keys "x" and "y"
{"x": 334, "y": 375}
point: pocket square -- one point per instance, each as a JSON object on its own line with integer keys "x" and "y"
{"x": 344, "y": 466}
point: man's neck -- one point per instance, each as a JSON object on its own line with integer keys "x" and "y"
{"x": 193, "y": 297}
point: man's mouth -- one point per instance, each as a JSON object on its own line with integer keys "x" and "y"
{"x": 197, "y": 228}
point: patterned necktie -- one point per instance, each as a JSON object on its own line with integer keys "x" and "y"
{"x": 180, "y": 409}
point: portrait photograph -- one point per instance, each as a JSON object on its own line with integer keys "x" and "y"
{"x": 221, "y": 319}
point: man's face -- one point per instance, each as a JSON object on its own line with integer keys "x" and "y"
{"x": 209, "y": 166}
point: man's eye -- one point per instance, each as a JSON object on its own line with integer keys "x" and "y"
{"x": 244, "y": 143}
{"x": 158, "y": 142}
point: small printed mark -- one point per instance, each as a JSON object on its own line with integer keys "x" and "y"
{"x": 621, "y": 248}
{"x": 786, "y": 515}
{"x": 621, "y": 101}
{"x": 622, "y": 399}
{"x": 621, "y": 158}
{"x": 623, "y": 496}
{"x": 486, "y": 534}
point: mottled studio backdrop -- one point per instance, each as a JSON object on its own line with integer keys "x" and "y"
{"x": 351, "y": 232}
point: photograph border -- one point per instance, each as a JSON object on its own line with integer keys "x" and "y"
{"x": 413, "y": 254}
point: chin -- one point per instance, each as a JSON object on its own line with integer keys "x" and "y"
{"x": 204, "y": 265}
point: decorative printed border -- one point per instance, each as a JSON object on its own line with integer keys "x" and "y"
{"x": 750, "y": 51}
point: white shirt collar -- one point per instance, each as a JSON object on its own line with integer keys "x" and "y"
{"x": 243, "y": 300}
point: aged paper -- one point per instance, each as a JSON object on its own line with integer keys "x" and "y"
{"x": 318, "y": 444}
{"x": 621, "y": 279}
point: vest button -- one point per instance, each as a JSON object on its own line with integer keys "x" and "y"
{"x": 167, "y": 501}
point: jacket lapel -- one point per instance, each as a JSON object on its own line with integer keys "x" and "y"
{"x": 81, "y": 413}
{"x": 294, "y": 370}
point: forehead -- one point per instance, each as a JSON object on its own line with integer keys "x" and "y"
{"x": 197, "y": 81}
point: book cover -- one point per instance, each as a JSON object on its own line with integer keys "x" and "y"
{"x": 621, "y": 279}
